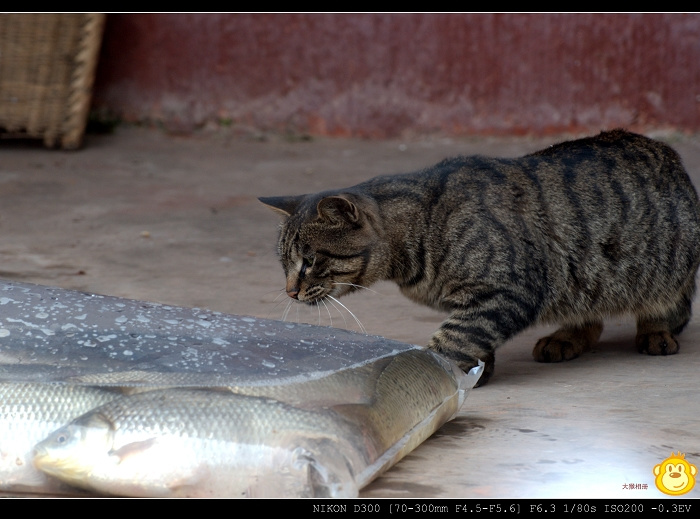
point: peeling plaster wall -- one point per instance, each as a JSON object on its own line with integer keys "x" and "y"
{"x": 386, "y": 75}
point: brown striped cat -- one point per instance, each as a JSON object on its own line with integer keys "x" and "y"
{"x": 571, "y": 234}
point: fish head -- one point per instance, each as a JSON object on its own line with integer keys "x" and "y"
{"x": 71, "y": 452}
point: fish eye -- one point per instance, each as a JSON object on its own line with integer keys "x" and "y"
{"x": 61, "y": 438}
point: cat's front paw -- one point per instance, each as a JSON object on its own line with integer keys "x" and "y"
{"x": 486, "y": 374}
{"x": 466, "y": 362}
{"x": 657, "y": 343}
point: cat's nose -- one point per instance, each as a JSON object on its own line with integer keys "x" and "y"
{"x": 292, "y": 288}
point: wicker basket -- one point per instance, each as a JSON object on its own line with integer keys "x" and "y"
{"x": 47, "y": 68}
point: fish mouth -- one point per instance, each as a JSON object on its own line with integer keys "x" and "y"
{"x": 39, "y": 457}
{"x": 65, "y": 468}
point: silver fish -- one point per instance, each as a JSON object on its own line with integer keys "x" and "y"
{"x": 320, "y": 437}
{"x": 181, "y": 442}
{"x": 28, "y": 413}
{"x": 396, "y": 396}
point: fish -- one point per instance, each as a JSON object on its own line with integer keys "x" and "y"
{"x": 323, "y": 436}
{"x": 205, "y": 443}
{"x": 342, "y": 406}
{"x": 397, "y": 395}
{"x": 28, "y": 413}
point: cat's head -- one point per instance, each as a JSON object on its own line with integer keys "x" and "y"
{"x": 329, "y": 243}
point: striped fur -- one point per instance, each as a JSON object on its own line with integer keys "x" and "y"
{"x": 572, "y": 234}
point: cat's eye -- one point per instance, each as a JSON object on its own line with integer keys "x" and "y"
{"x": 305, "y": 264}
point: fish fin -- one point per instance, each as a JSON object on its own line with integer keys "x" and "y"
{"x": 133, "y": 448}
{"x": 192, "y": 484}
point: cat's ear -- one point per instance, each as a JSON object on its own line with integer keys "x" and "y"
{"x": 284, "y": 205}
{"x": 338, "y": 208}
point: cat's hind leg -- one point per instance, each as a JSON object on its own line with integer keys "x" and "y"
{"x": 655, "y": 334}
{"x": 567, "y": 342}
{"x": 655, "y": 340}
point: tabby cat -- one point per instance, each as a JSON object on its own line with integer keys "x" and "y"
{"x": 571, "y": 234}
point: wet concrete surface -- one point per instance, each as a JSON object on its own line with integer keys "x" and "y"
{"x": 175, "y": 219}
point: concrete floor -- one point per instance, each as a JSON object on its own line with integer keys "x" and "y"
{"x": 172, "y": 219}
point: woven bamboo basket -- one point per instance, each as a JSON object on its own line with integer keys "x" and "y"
{"x": 47, "y": 70}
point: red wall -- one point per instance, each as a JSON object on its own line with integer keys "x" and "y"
{"x": 386, "y": 75}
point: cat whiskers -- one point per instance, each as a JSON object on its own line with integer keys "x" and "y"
{"x": 330, "y": 317}
{"x": 287, "y": 309}
{"x": 333, "y": 301}
{"x": 278, "y": 302}
{"x": 323, "y": 301}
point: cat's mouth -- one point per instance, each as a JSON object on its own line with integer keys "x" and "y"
{"x": 310, "y": 295}
{"x": 315, "y": 294}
